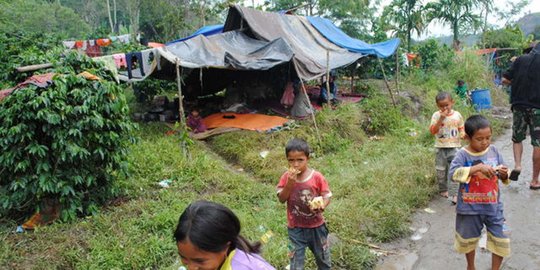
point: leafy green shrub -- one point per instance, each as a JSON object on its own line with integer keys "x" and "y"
{"x": 434, "y": 56}
{"x": 382, "y": 116}
{"x": 67, "y": 141}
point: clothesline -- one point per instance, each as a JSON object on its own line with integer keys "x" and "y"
{"x": 92, "y": 47}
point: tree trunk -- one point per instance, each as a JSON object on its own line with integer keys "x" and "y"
{"x": 110, "y": 17}
{"x": 455, "y": 29}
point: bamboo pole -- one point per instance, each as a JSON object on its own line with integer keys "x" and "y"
{"x": 397, "y": 72}
{"x": 33, "y": 67}
{"x": 180, "y": 95}
{"x": 328, "y": 77}
{"x": 386, "y": 82}
{"x": 310, "y": 106}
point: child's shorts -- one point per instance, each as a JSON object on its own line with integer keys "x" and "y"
{"x": 469, "y": 230}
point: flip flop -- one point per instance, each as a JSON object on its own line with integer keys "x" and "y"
{"x": 534, "y": 187}
{"x": 514, "y": 175}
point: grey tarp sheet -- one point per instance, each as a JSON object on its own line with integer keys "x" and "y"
{"x": 232, "y": 49}
{"x": 309, "y": 46}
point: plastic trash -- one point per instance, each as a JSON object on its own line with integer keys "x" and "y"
{"x": 264, "y": 153}
{"x": 416, "y": 236}
{"x": 165, "y": 183}
{"x": 429, "y": 210}
{"x": 267, "y": 235}
{"x": 19, "y": 229}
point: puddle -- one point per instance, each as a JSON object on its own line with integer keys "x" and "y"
{"x": 398, "y": 262}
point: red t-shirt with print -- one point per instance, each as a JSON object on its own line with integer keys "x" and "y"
{"x": 299, "y": 215}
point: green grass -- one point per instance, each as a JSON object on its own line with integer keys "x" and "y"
{"x": 377, "y": 183}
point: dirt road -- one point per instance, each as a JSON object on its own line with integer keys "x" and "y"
{"x": 430, "y": 245}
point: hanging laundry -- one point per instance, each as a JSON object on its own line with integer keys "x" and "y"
{"x": 148, "y": 56}
{"x": 91, "y": 42}
{"x": 134, "y": 60}
{"x": 287, "y": 99}
{"x": 120, "y": 60}
{"x": 69, "y": 44}
{"x": 78, "y": 44}
{"x": 123, "y": 38}
{"x": 103, "y": 42}
{"x": 93, "y": 51}
{"x": 108, "y": 62}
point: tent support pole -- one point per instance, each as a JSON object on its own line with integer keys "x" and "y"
{"x": 386, "y": 82}
{"x": 312, "y": 111}
{"x": 181, "y": 116}
{"x": 180, "y": 96}
{"x": 328, "y": 77}
{"x": 397, "y": 72}
{"x": 353, "y": 69}
{"x": 310, "y": 106}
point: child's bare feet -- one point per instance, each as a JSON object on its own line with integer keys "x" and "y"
{"x": 444, "y": 194}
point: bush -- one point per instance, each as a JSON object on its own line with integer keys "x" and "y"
{"x": 67, "y": 142}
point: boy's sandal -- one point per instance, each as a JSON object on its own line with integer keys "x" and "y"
{"x": 514, "y": 175}
{"x": 534, "y": 187}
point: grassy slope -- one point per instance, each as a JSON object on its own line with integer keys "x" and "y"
{"x": 377, "y": 183}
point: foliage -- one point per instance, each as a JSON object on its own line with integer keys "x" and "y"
{"x": 434, "y": 56}
{"x": 459, "y": 14}
{"x": 67, "y": 141}
{"x": 507, "y": 37}
{"x": 40, "y": 17}
{"x": 24, "y": 48}
{"x": 405, "y": 17}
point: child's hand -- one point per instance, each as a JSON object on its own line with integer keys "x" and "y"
{"x": 444, "y": 114}
{"x": 503, "y": 172}
{"x": 487, "y": 170}
{"x": 293, "y": 175}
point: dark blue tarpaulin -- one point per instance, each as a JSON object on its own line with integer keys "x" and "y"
{"x": 205, "y": 31}
{"x": 338, "y": 37}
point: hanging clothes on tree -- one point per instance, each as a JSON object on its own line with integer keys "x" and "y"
{"x": 134, "y": 60}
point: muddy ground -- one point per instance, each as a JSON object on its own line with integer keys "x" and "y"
{"x": 430, "y": 245}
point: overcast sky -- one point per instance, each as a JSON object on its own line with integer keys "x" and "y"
{"x": 436, "y": 29}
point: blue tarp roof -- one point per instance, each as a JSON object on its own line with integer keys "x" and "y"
{"x": 338, "y": 37}
{"x": 205, "y": 31}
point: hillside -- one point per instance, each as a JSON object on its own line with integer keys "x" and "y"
{"x": 529, "y": 22}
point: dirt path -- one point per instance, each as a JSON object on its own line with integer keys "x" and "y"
{"x": 434, "y": 249}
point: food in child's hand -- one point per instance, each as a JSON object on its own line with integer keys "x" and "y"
{"x": 293, "y": 171}
{"x": 316, "y": 203}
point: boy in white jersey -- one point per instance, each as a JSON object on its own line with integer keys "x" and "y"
{"x": 447, "y": 126}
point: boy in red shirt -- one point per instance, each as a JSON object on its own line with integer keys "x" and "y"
{"x": 307, "y": 194}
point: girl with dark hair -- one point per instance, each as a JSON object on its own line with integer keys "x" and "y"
{"x": 208, "y": 238}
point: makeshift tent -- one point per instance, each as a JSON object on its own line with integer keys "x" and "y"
{"x": 256, "y": 53}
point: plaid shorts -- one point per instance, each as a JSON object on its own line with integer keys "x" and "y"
{"x": 524, "y": 119}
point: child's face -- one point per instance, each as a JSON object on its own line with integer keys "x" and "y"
{"x": 445, "y": 105}
{"x": 297, "y": 160}
{"x": 195, "y": 113}
{"x": 194, "y": 258}
{"x": 481, "y": 140}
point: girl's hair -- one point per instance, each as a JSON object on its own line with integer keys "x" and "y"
{"x": 442, "y": 96}
{"x": 210, "y": 227}
{"x": 474, "y": 123}
{"x": 299, "y": 145}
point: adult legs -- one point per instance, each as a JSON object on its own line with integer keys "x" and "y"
{"x": 536, "y": 167}
{"x": 518, "y": 152}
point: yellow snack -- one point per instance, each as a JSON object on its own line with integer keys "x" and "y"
{"x": 316, "y": 203}
{"x": 293, "y": 171}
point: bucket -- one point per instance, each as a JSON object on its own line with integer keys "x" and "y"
{"x": 481, "y": 99}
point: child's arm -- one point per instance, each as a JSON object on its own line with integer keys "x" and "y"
{"x": 285, "y": 192}
{"x": 463, "y": 174}
{"x": 436, "y": 126}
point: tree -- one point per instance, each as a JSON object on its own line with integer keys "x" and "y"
{"x": 404, "y": 17}
{"x": 459, "y": 14}
{"x": 508, "y": 14}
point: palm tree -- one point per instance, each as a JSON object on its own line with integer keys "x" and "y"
{"x": 405, "y": 17}
{"x": 459, "y": 14}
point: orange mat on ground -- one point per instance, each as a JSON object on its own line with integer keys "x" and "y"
{"x": 251, "y": 121}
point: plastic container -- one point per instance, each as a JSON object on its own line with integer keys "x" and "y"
{"x": 481, "y": 99}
